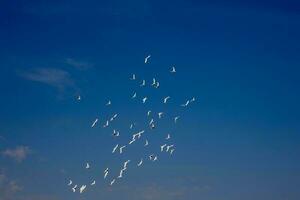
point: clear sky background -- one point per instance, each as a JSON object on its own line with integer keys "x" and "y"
{"x": 239, "y": 140}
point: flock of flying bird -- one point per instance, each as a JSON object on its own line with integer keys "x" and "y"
{"x": 169, "y": 148}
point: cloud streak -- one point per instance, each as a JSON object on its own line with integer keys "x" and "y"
{"x": 18, "y": 154}
{"x": 80, "y": 65}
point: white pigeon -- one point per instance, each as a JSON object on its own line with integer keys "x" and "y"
{"x": 121, "y": 148}
{"x": 149, "y": 112}
{"x": 171, "y": 151}
{"x": 115, "y": 148}
{"x": 146, "y": 143}
{"x": 134, "y": 95}
{"x": 105, "y": 174}
{"x": 82, "y": 188}
{"x": 133, "y": 77}
{"x": 93, "y": 183}
{"x": 145, "y": 99}
{"x": 126, "y": 163}
{"x": 140, "y": 163}
{"x": 70, "y": 182}
{"x": 186, "y": 103}
{"x": 168, "y": 147}
{"x": 153, "y": 82}
{"x": 157, "y": 85}
{"x": 168, "y": 137}
{"x": 108, "y": 103}
{"x": 112, "y": 182}
{"x": 147, "y": 58}
{"x": 113, "y": 117}
{"x": 95, "y": 122}
{"x": 143, "y": 83}
{"x": 162, "y": 147}
{"x": 74, "y": 188}
{"x": 166, "y": 99}
{"x": 87, "y": 166}
{"x": 116, "y": 133}
{"x": 106, "y": 124}
{"x": 160, "y": 114}
{"x": 121, "y": 173}
{"x": 176, "y": 119}
{"x": 173, "y": 70}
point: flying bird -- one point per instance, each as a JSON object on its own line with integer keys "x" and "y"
{"x": 160, "y": 114}
{"x": 147, "y": 58}
{"x": 140, "y": 163}
{"x": 131, "y": 126}
{"x": 95, "y": 122}
{"x": 166, "y": 99}
{"x": 82, "y": 188}
{"x": 105, "y": 173}
{"x": 134, "y": 95}
{"x": 108, "y": 103}
{"x": 74, "y": 188}
{"x": 171, "y": 151}
{"x": 93, "y": 183}
{"x": 126, "y": 163}
{"x": 131, "y": 141}
{"x": 157, "y": 85}
{"x": 146, "y": 143}
{"x": 87, "y": 166}
{"x": 143, "y": 83}
{"x": 106, "y": 124}
{"x": 153, "y": 82}
{"x": 121, "y": 148}
{"x": 149, "y": 112}
{"x": 173, "y": 70}
{"x": 176, "y": 119}
{"x": 79, "y": 98}
{"x": 168, "y": 147}
{"x": 133, "y": 77}
{"x": 145, "y": 99}
{"x": 112, "y": 182}
{"x": 162, "y": 147}
{"x": 115, "y": 148}
{"x": 168, "y": 137}
{"x": 121, "y": 173}
{"x": 70, "y": 182}
{"x": 186, "y": 103}
{"x": 116, "y": 133}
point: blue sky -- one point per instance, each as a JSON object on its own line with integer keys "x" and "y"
{"x": 240, "y": 139}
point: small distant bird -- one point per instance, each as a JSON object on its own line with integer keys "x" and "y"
{"x": 193, "y": 99}
{"x": 171, "y": 151}
{"x": 131, "y": 126}
{"x": 133, "y": 77}
{"x": 145, "y": 99}
{"x": 113, "y": 117}
{"x": 106, "y": 124}
{"x": 70, "y": 182}
{"x": 152, "y": 126}
{"x": 116, "y": 133}
{"x": 149, "y": 112}
{"x": 95, "y": 122}
{"x": 125, "y": 164}
{"x": 151, "y": 121}
{"x": 143, "y": 83}
{"x": 108, "y": 103}
{"x": 168, "y": 137}
{"x": 146, "y": 143}
{"x": 162, "y": 147}
{"x": 115, "y": 148}
{"x": 74, "y": 188}
{"x": 160, "y": 114}
{"x": 157, "y": 85}
{"x": 93, "y": 183}
{"x": 168, "y": 147}
{"x": 151, "y": 157}
{"x": 176, "y": 119}
{"x": 173, "y": 70}
{"x": 121, "y": 148}
{"x": 155, "y": 158}
{"x": 79, "y": 98}
{"x": 87, "y": 166}
{"x": 134, "y": 95}
{"x": 112, "y": 182}
{"x": 121, "y": 173}
{"x": 153, "y": 82}
{"x": 131, "y": 141}
{"x": 82, "y": 188}
{"x": 105, "y": 173}
{"x": 146, "y": 59}
{"x": 166, "y": 99}
{"x": 140, "y": 163}
{"x": 186, "y": 103}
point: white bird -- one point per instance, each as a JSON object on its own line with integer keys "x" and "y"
{"x": 168, "y": 147}
{"x": 146, "y": 143}
{"x": 112, "y": 182}
{"x": 153, "y": 82}
{"x": 186, "y": 103}
{"x": 113, "y": 117}
{"x": 173, "y": 70}
{"x": 171, "y": 151}
{"x": 105, "y": 174}
{"x": 134, "y": 95}
{"x": 121, "y": 148}
{"x": 116, "y": 133}
{"x": 149, "y": 112}
{"x": 139, "y": 134}
{"x": 131, "y": 125}
{"x": 155, "y": 158}
{"x": 106, "y": 124}
{"x": 162, "y": 147}
{"x": 121, "y": 173}
{"x": 168, "y": 137}
{"x": 157, "y": 85}
{"x": 95, "y": 122}
{"x": 152, "y": 126}
{"x": 106, "y": 170}
{"x": 151, "y": 157}
{"x": 176, "y": 119}
{"x": 145, "y": 99}
{"x": 160, "y": 114}
{"x": 108, "y": 103}
{"x": 82, "y": 188}
{"x": 87, "y": 166}
{"x": 79, "y": 98}
{"x": 166, "y": 99}
{"x": 143, "y": 83}
{"x": 126, "y": 163}
{"x": 146, "y": 59}
{"x": 140, "y": 163}
{"x": 133, "y": 77}
{"x": 131, "y": 141}
{"x": 74, "y": 188}
{"x": 115, "y": 148}
{"x": 151, "y": 121}
{"x": 193, "y": 99}
{"x": 93, "y": 183}
{"x": 70, "y": 183}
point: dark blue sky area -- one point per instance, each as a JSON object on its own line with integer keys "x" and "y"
{"x": 240, "y": 59}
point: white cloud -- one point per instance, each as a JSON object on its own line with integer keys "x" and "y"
{"x": 80, "y": 65}
{"x": 19, "y": 154}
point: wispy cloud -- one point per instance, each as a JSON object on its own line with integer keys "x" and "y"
{"x": 80, "y": 65}
{"x": 8, "y": 188}
{"x": 51, "y": 76}
{"x": 18, "y": 154}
